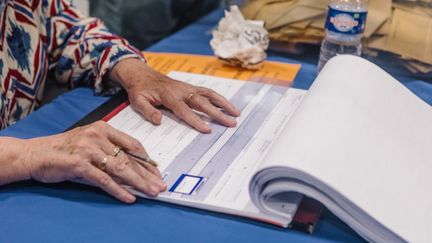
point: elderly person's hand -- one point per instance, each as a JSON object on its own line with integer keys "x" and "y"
{"x": 89, "y": 154}
{"x": 147, "y": 88}
{"x": 81, "y": 51}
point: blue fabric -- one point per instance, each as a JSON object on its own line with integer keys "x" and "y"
{"x": 57, "y": 116}
{"x": 67, "y": 212}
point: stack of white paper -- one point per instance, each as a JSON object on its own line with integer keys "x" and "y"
{"x": 361, "y": 143}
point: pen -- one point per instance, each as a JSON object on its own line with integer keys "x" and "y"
{"x": 142, "y": 159}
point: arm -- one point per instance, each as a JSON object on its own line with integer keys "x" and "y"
{"x": 81, "y": 50}
{"x": 85, "y": 154}
{"x": 13, "y": 164}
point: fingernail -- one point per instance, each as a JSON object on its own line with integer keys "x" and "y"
{"x": 130, "y": 198}
{"x": 234, "y": 122}
{"x": 206, "y": 128}
{"x": 163, "y": 186}
{"x": 154, "y": 190}
{"x": 155, "y": 118}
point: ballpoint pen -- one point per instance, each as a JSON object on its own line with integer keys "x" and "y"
{"x": 142, "y": 159}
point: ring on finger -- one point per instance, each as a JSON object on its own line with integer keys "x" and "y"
{"x": 117, "y": 150}
{"x": 102, "y": 166}
{"x": 189, "y": 97}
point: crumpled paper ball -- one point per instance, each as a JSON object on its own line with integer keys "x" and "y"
{"x": 240, "y": 42}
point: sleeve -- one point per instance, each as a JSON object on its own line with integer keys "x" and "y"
{"x": 80, "y": 49}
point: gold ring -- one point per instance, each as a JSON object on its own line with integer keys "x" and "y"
{"x": 190, "y": 96}
{"x": 116, "y": 151}
{"x": 103, "y": 165}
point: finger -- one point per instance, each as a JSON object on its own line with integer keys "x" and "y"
{"x": 147, "y": 183}
{"x": 138, "y": 166}
{"x": 121, "y": 139}
{"x": 147, "y": 110}
{"x": 202, "y": 104}
{"x": 220, "y": 101}
{"x": 142, "y": 170}
{"x": 108, "y": 148}
{"x": 102, "y": 180}
{"x": 185, "y": 113}
{"x": 148, "y": 167}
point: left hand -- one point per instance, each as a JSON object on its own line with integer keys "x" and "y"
{"x": 148, "y": 88}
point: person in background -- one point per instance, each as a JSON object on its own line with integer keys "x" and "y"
{"x": 50, "y": 38}
{"x": 143, "y": 22}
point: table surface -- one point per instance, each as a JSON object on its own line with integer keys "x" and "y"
{"x": 68, "y": 212}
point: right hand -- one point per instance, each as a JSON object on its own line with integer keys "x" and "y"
{"x": 77, "y": 154}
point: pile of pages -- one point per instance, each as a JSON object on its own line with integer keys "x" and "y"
{"x": 358, "y": 144}
{"x": 403, "y": 28}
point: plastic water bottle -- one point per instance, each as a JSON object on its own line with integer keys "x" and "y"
{"x": 345, "y": 24}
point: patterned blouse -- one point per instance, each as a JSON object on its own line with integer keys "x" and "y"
{"x": 50, "y": 37}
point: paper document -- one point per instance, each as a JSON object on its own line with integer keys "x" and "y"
{"x": 359, "y": 144}
{"x": 270, "y": 72}
{"x": 212, "y": 171}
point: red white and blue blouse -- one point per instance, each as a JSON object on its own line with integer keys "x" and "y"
{"x": 40, "y": 38}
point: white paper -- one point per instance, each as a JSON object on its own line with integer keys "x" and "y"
{"x": 240, "y": 42}
{"x": 212, "y": 171}
{"x": 363, "y": 134}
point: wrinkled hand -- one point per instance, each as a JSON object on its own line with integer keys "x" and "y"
{"x": 147, "y": 88}
{"x": 79, "y": 155}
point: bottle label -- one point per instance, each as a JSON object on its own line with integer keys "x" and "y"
{"x": 345, "y": 22}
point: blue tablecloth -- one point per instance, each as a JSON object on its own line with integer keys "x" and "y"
{"x": 68, "y": 212}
